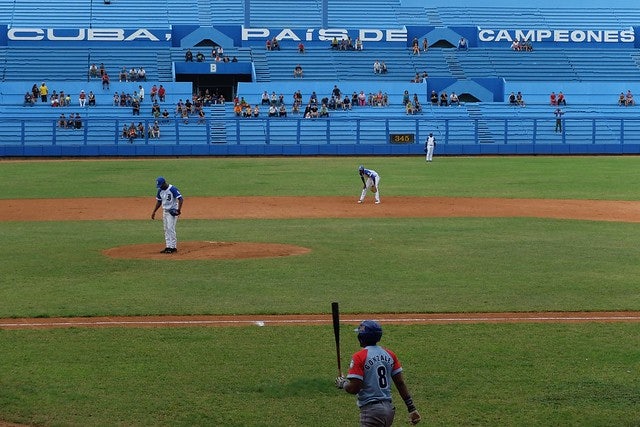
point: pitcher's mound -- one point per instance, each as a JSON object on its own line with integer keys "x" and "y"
{"x": 207, "y": 250}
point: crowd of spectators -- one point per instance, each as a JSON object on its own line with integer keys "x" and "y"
{"x": 626, "y": 99}
{"x": 443, "y": 99}
{"x": 522, "y": 45}
{"x": 74, "y": 121}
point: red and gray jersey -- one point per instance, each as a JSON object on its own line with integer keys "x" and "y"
{"x": 374, "y": 366}
{"x": 169, "y": 197}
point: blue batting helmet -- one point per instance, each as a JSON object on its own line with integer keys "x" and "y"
{"x": 369, "y": 332}
{"x": 160, "y": 181}
{"x": 360, "y": 168}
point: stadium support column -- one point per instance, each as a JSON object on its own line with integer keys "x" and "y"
{"x": 325, "y": 13}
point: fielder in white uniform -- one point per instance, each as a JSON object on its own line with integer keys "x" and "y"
{"x": 371, "y": 181}
{"x": 429, "y": 146}
{"x": 170, "y": 199}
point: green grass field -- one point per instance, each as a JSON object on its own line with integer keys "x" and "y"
{"x": 520, "y": 374}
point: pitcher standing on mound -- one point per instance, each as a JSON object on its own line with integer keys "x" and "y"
{"x": 170, "y": 199}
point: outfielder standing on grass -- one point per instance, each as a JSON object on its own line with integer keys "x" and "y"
{"x": 429, "y": 146}
{"x": 371, "y": 181}
{"x": 370, "y": 374}
{"x": 170, "y": 199}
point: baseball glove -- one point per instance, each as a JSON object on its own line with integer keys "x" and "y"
{"x": 374, "y": 189}
{"x": 174, "y": 212}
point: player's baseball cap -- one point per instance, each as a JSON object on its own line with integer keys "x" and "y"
{"x": 159, "y": 181}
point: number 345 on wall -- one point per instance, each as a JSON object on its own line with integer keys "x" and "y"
{"x": 402, "y": 138}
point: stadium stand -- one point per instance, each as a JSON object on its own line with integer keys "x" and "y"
{"x": 484, "y": 75}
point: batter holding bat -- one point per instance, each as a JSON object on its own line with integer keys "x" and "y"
{"x": 370, "y": 374}
{"x": 170, "y": 199}
{"x": 370, "y": 181}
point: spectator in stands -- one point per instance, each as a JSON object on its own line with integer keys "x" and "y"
{"x": 200, "y": 57}
{"x": 248, "y": 111}
{"x": 324, "y": 112}
{"x": 520, "y": 99}
{"x": 154, "y": 130}
{"x": 297, "y": 71}
{"x": 346, "y": 103}
{"x": 165, "y": 116}
{"x": 141, "y": 93}
{"x": 93, "y": 71}
{"x": 188, "y": 56}
{"x": 444, "y": 99}
{"x": 275, "y": 44}
{"x": 425, "y": 45}
{"x": 462, "y": 44}
{"x": 135, "y": 107}
{"x": 154, "y": 93}
{"x": 265, "y": 98}
{"x": 122, "y": 75}
{"x": 162, "y": 93}
{"x": 358, "y": 44}
{"x": 453, "y": 99}
{"x": 282, "y": 111}
{"x": 268, "y": 44}
{"x": 256, "y": 111}
{"x": 273, "y": 99}
{"x": 622, "y": 99}
{"x": 102, "y": 69}
{"x": 82, "y": 99}
{"x": 77, "y": 123}
{"x": 105, "y": 81}
{"x": 91, "y": 99}
{"x": 515, "y": 45}
{"x": 512, "y": 99}
{"x": 237, "y": 109}
{"x": 362, "y": 99}
{"x": 336, "y": 92}
{"x": 409, "y": 108}
{"x": 132, "y": 133}
{"x": 133, "y": 75}
{"x": 234, "y": 59}
{"x": 629, "y": 99}
{"x": 71, "y": 121}
{"x": 55, "y": 101}
{"x": 28, "y": 99}
{"x": 116, "y": 99}
{"x": 553, "y": 100}
{"x": 300, "y": 47}
{"x": 155, "y": 110}
{"x": 44, "y": 92}
{"x": 415, "y": 46}
{"x": 383, "y": 68}
{"x": 434, "y": 97}
{"x": 405, "y": 97}
{"x": 35, "y": 92}
{"x": 140, "y": 130}
{"x": 376, "y": 67}
{"x": 273, "y": 111}
{"x": 558, "y": 113}
{"x": 561, "y": 99}
{"x": 62, "y": 121}
{"x": 528, "y": 46}
{"x": 142, "y": 75}
{"x": 417, "y": 107}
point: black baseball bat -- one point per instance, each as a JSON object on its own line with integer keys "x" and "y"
{"x": 335, "y": 312}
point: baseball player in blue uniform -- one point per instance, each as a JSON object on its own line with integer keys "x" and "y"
{"x": 371, "y": 372}
{"x": 370, "y": 181}
{"x": 170, "y": 199}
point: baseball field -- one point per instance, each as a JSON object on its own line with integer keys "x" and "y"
{"x": 508, "y": 287}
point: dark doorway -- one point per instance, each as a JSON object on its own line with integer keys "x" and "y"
{"x": 221, "y": 84}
